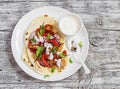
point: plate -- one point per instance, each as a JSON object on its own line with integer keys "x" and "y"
{"x": 17, "y": 42}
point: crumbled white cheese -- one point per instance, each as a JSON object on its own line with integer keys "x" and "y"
{"x": 51, "y": 56}
{"x": 48, "y": 46}
{"x": 45, "y": 44}
{"x": 36, "y": 38}
{"x": 58, "y": 53}
{"x": 51, "y": 37}
{"x": 47, "y": 51}
{"x": 41, "y": 39}
{"x": 59, "y": 63}
{"x": 32, "y": 34}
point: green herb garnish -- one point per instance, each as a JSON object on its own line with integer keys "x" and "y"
{"x": 46, "y": 76}
{"x": 62, "y": 55}
{"x": 48, "y": 36}
{"x": 39, "y": 50}
{"x": 42, "y": 26}
{"x": 80, "y": 44}
{"x": 70, "y": 61}
{"x": 54, "y": 49}
{"x": 42, "y": 29}
{"x": 53, "y": 70}
{"x": 33, "y": 40}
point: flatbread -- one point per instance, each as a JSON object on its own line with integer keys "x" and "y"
{"x": 29, "y": 57}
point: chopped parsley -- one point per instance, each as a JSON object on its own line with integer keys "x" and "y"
{"x": 80, "y": 44}
{"x": 42, "y": 29}
{"x": 33, "y": 40}
{"x": 46, "y": 76}
{"x": 39, "y": 50}
{"x": 62, "y": 55}
{"x": 54, "y": 49}
{"x": 53, "y": 69}
{"x": 70, "y": 61}
{"x": 48, "y": 36}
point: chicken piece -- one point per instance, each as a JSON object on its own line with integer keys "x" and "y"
{"x": 60, "y": 47}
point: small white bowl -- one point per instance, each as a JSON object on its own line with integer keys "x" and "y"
{"x": 76, "y": 19}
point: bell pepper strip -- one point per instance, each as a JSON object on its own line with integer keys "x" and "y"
{"x": 40, "y": 43}
{"x": 32, "y": 50}
{"x": 44, "y": 57}
{"x": 48, "y": 27}
{"x": 55, "y": 56}
{"x": 50, "y": 32}
{"x": 53, "y": 41}
{"x": 41, "y": 63}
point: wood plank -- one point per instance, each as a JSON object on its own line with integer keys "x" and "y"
{"x": 91, "y": 12}
{"x": 101, "y": 19}
{"x": 32, "y": 86}
{"x": 106, "y": 75}
{"x": 106, "y": 50}
{"x": 102, "y": 22}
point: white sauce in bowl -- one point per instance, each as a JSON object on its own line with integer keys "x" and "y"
{"x": 70, "y": 24}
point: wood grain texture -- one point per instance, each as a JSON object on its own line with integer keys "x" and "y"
{"x": 102, "y": 20}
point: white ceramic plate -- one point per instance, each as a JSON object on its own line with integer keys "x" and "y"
{"x": 17, "y": 42}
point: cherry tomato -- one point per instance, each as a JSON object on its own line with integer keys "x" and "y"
{"x": 65, "y": 52}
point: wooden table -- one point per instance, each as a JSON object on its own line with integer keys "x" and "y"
{"x": 102, "y": 20}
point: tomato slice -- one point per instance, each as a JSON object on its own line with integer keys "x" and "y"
{"x": 40, "y": 43}
{"x": 54, "y": 42}
{"x": 44, "y": 57}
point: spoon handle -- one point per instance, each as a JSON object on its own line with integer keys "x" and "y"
{"x": 86, "y": 69}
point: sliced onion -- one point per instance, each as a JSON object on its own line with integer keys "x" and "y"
{"x": 32, "y": 34}
{"x": 51, "y": 56}
{"x": 59, "y": 63}
{"x": 50, "y": 45}
{"x": 74, "y": 44}
{"x": 57, "y": 36}
{"x": 38, "y": 39}
{"x": 45, "y": 44}
{"x": 41, "y": 39}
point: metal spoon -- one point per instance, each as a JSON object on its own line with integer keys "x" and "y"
{"x": 73, "y": 49}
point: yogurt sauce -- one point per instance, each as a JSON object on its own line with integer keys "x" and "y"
{"x": 69, "y": 24}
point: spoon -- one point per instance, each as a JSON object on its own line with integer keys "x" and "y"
{"x": 73, "y": 49}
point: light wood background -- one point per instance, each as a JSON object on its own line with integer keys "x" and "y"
{"x": 102, "y": 20}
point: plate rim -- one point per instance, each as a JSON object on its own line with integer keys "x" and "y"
{"x": 31, "y": 69}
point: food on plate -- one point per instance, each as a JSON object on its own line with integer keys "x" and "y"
{"x": 45, "y": 50}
